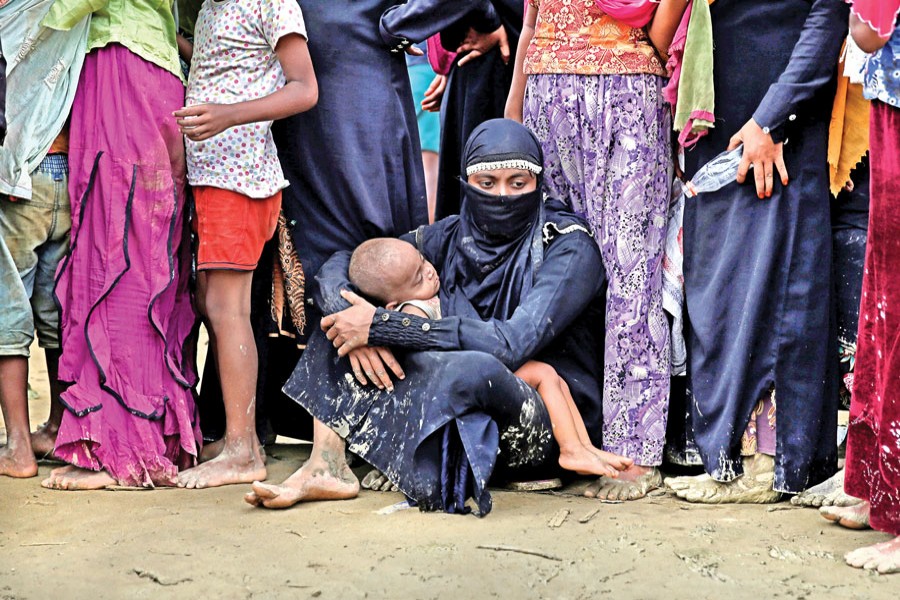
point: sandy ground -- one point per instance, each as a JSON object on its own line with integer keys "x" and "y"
{"x": 208, "y": 544}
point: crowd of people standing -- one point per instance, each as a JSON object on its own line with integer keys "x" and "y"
{"x": 527, "y": 284}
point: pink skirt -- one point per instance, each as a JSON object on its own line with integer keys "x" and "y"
{"x": 128, "y": 324}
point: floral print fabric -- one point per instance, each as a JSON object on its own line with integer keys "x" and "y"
{"x": 575, "y": 36}
{"x": 606, "y": 153}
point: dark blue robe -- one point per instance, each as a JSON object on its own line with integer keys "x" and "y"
{"x": 437, "y": 436}
{"x": 758, "y": 281}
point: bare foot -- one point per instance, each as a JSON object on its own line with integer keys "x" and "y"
{"x": 214, "y": 449}
{"x": 754, "y": 487}
{"x": 43, "y": 441}
{"x": 75, "y": 478}
{"x": 883, "y": 558}
{"x": 632, "y": 483}
{"x": 583, "y": 461}
{"x": 17, "y": 462}
{"x": 377, "y": 482}
{"x": 851, "y": 517}
{"x": 236, "y": 464}
{"x": 321, "y": 478}
{"x": 828, "y": 493}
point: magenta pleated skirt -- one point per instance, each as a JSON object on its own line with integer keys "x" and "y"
{"x": 128, "y": 324}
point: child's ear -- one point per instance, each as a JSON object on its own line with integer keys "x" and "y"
{"x": 391, "y": 305}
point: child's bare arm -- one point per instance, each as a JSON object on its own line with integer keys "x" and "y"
{"x": 185, "y": 48}
{"x": 299, "y": 93}
{"x": 414, "y": 310}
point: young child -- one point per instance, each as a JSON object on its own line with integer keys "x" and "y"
{"x": 250, "y": 66}
{"x": 396, "y": 275}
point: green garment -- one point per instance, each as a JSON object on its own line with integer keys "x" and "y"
{"x": 146, "y": 27}
{"x": 696, "y": 94}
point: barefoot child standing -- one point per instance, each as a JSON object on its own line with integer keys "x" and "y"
{"x": 250, "y": 66}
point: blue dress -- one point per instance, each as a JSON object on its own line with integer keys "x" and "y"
{"x": 758, "y": 280}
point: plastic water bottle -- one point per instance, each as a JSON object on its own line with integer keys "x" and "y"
{"x": 715, "y": 174}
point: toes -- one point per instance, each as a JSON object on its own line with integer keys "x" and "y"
{"x": 592, "y": 489}
{"x": 252, "y": 499}
{"x": 265, "y": 491}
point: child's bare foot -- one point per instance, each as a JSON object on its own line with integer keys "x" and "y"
{"x": 237, "y": 463}
{"x": 323, "y": 477}
{"x": 43, "y": 441}
{"x": 584, "y": 461}
{"x": 851, "y": 517}
{"x": 74, "y": 478}
{"x": 213, "y": 449}
{"x": 17, "y": 461}
{"x": 617, "y": 462}
{"x": 883, "y": 558}
{"x": 632, "y": 483}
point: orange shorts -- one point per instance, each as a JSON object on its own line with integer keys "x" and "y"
{"x": 232, "y": 228}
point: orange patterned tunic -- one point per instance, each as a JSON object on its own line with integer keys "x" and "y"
{"x": 575, "y": 36}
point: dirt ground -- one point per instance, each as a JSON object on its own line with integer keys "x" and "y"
{"x": 208, "y": 544}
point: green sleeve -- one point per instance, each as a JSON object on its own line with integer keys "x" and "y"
{"x": 65, "y": 14}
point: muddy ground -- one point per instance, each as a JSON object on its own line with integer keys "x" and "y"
{"x": 208, "y": 544}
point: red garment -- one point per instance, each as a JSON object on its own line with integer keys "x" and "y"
{"x": 873, "y": 445}
{"x": 232, "y": 228}
{"x": 880, "y": 15}
{"x": 440, "y": 58}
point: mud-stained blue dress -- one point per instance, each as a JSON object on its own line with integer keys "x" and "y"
{"x": 758, "y": 279}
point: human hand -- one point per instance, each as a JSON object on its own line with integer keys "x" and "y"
{"x": 203, "y": 121}
{"x": 372, "y": 364}
{"x": 763, "y": 154}
{"x": 349, "y": 328}
{"x": 413, "y": 51}
{"x": 478, "y": 44}
{"x": 435, "y": 94}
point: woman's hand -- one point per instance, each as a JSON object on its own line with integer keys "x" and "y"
{"x": 373, "y": 364}
{"x": 435, "y": 94}
{"x": 763, "y": 154}
{"x": 349, "y": 328}
{"x": 203, "y": 121}
{"x": 478, "y": 44}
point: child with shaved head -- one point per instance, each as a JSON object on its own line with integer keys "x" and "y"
{"x": 392, "y": 273}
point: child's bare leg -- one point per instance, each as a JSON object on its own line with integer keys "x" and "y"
{"x": 226, "y": 301}
{"x": 620, "y": 463}
{"x": 43, "y": 439}
{"x": 573, "y": 454}
{"x": 16, "y": 458}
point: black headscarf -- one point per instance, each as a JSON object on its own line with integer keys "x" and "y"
{"x": 497, "y": 246}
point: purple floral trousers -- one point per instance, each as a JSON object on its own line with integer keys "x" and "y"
{"x": 607, "y": 153}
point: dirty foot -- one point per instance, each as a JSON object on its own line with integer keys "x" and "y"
{"x": 851, "y": 517}
{"x": 43, "y": 441}
{"x": 320, "y": 478}
{"x": 828, "y": 493}
{"x": 377, "y": 482}
{"x": 754, "y": 487}
{"x": 883, "y": 558}
{"x": 214, "y": 449}
{"x": 232, "y": 465}
{"x": 632, "y": 483}
{"x": 74, "y": 478}
{"x": 17, "y": 463}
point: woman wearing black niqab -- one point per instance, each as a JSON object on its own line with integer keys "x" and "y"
{"x": 508, "y": 295}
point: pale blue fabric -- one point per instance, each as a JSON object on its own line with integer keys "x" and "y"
{"x": 42, "y": 70}
{"x": 882, "y": 80}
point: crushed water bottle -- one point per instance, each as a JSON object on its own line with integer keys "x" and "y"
{"x": 715, "y": 174}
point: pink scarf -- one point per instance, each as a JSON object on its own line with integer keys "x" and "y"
{"x": 441, "y": 60}
{"x": 635, "y": 13}
{"x": 880, "y": 15}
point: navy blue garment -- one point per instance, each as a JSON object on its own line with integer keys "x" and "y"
{"x": 437, "y": 435}
{"x": 475, "y": 92}
{"x": 759, "y": 294}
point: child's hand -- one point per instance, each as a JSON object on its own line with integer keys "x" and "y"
{"x": 203, "y": 121}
